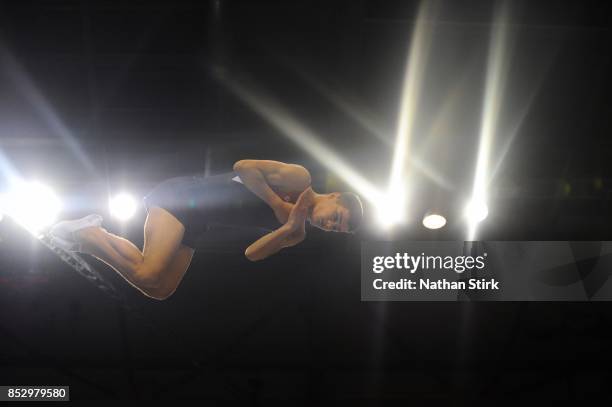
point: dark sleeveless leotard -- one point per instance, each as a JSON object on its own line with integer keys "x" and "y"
{"x": 200, "y": 202}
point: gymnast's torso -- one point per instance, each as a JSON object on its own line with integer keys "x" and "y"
{"x": 200, "y": 202}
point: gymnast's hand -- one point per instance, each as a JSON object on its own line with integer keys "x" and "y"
{"x": 297, "y": 217}
{"x": 299, "y": 212}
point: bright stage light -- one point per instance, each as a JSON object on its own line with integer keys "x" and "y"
{"x": 476, "y": 212}
{"x": 123, "y": 206}
{"x": 31, "y": 204}
{"x": 434, "y": 221}
{"x": 391, "y": 209}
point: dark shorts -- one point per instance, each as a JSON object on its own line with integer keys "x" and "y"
{"x": 179, "y": 196}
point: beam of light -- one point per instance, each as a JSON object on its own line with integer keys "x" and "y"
{"x": 282, "y": 120}
{"x": 413, "y": 78}
{"x": 440, "y": 127}
{"x": 8, "y": 172}
{"x": 518, "y": 123}
{"x": 31, "y": 204}
{"x": 494, "y": 86}
{"x": 346, "y": 104}
{"x": 368, "y": 121}
{"x": 18, "y": 76}
{"x": 122, "y": 206}
{"x": 434, "y": 221}
{"x": 508, "y": 144}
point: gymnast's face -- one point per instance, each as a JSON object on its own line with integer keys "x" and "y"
{"x": 328, "y": 215}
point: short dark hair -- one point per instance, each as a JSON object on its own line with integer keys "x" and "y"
{"x": 353, "y": 204}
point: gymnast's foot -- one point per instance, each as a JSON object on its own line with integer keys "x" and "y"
{"x": 67, "y": 234}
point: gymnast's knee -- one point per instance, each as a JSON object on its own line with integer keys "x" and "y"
{"x": 159, "y": 293}
{"x": 151, "y": 283}
{"x": 147, "y": 277}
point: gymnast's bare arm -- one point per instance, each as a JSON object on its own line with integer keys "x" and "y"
{"x": 289, "y": 234}
{"x": 260, "y": 175}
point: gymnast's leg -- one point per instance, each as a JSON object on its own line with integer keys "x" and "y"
{"x": 159, "y": 268}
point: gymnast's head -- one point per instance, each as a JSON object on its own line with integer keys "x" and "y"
{"x": 337, "y": 212}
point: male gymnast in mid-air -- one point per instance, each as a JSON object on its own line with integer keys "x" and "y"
{"x": 259, "y": 193}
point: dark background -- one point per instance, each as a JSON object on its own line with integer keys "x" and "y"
{"x": 99, "y": 97}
